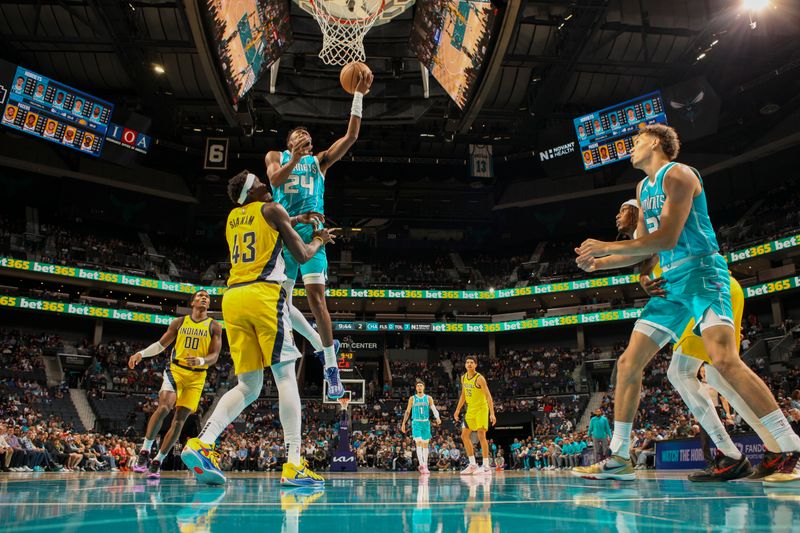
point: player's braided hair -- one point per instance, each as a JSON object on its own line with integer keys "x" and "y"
{"x": 667, "y": 138}
{"x": 235, "y": 185}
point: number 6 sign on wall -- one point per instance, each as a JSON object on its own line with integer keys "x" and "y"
{"x": 216, "y": 157}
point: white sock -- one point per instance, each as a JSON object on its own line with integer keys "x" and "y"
{"x": 779, "y": 428}
{"x": 289, "y": 408}
{"x": 716, "y": 380}
{"x": 232, "y": 404}
{"x": 682, "y": 373}
{"x": 147, "y": 445}
{"x": 420, "y": 455}
{"x": 299, "y": 322}
{"x": 621, "y": 439}
{"x": 425, "y": 454}
{"x": 330, "y": 357}
{"x": 160, "y": 457}
{"x": 486, "y": 461}
{"x": 472, "y": 460}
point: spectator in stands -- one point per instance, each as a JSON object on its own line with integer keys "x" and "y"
{"x": 643, "y": 450}
{"x": 600, "y": 433}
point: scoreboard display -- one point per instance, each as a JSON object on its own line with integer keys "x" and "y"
{"x": 606, "y": 136}
{"x": 56, "y": 112}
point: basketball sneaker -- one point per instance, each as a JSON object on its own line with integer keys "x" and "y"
{"x": 789, "y": 473}
{"x": 299, "y": 498}
{"x": 300, "y": 475}
{"x": 470, "y": 469}
{"x": 141, "y": 463}
{"x": 615, "y": 467}
{"x": 155, "y": 470}
{"x": 770, "y": 464}
{"x": 484, "y": 470}
{"x": 423, "y": 469}
{"x": 198, "y": 514}
{"x": 331, "y": 375}
{"x": 203, "y": 460}
{"x": 723, "y": 468}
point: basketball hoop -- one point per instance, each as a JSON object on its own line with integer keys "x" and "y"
{"x": 344, "y": 402}
{"x": 344, "y": 23}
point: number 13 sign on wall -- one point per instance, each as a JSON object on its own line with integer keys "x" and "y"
{"x": 216, "y": 154}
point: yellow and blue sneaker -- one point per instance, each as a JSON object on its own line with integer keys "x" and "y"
{"x": 300, "y": 475}
{"x": 615, "y": 467}
{"x": 299, "y": 498}
{"x": 203, "y": 460}
{"x": 198, "y": 515}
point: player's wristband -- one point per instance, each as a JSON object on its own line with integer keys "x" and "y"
{"x": 358, "y": 104}
{"x": 202, "y": 361}
{"x": 320, "y": 239}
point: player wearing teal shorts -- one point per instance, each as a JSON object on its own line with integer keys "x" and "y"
{"x": 674, "y": 223}
{"x": 419, "y": 409}
{"x": 297, "y": 177}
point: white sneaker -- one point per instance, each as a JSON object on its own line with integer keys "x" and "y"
{"x": 469, "y": 470}
{"x": 26, "y": 468}
{"x": 484, "y": 470}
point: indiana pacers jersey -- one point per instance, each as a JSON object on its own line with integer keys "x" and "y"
{"x": 472, "y": 393}
{"x": 420, "y": 410}
{"x": 193, "y": 340}
{"x": 697, "y": 238}
{"x": 255, "y": 247}
{"x": 304, "y": 191}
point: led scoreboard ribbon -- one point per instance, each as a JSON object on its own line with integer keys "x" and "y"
{"x": 606, "y": 136}
{"x": 56, "y": 112}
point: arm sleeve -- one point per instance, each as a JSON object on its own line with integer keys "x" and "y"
{"x": 435, "y": 412}
{"x": 153, "y": 349}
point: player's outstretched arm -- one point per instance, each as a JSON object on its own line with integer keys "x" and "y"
{"x": 157, "y": 347}
{"x": 213, "y": 350}
{"x": 339, "y": 148}
{"x": 278, "y": 218}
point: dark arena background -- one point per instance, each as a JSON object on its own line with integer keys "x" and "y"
{"x": 472, "y": 194}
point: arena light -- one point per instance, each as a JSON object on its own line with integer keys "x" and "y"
{"x": 158, "y": 69}
{"x": 701, "y": 56}
{"x": 754, "y": 5}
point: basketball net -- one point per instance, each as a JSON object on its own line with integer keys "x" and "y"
{"x": 344, "y": 402}
{"x": 343, "y": 38}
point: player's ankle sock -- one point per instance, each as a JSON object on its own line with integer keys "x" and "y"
{"x": 293, "y": 454}
{"x": 472, "y": 460}
{"x": 330, "y": 356}
{"x": 781, "y": 431}
{"x": 420, "y": 455}
{"x": 147, "y": 444}
{"x": 725, "y": 445}
{"x": 486, "y": 461}
{"x": 161, "y": 456}
{"x": 425, "y": 454}
{"x": 621, "y": 440}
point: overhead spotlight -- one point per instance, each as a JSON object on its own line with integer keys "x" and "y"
{"x": 701, "y": 56}
{"x": 755, "y": 5}
{"x": 158, "y": 69}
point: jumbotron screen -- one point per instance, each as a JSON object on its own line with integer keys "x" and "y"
{"x": 248, "y": 36}
{"x": 57, "y": 112}
{"x": 451, "y": 38}
{"x": 606, "y": 136}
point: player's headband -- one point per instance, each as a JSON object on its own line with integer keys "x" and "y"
{"x": 248, "y": 184}
{"x": 632, "y": 203}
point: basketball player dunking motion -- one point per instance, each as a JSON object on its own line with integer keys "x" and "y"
{"x": 674, "y": 223}
{"x": 298, "y": 184}
{"x": 480, "y": 411}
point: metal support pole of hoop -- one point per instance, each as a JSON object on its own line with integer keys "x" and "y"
{"x": 342, "y": 38}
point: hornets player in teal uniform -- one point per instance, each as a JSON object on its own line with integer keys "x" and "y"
{"x": 419, "y": 409}
{"x": 297, "y": 177}
{"x": 674, "y": 223}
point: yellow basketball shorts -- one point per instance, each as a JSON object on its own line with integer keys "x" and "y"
{"x": 258, "y": 327}
{"x": 476, "y": 419}
{"x": 692, "y": 345}
{"x": 187, "y": 384}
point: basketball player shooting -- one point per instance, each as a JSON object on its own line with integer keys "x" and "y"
{"x": 297, "y": 177}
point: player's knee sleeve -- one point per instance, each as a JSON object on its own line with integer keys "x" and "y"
{"x": 250, "y": 384}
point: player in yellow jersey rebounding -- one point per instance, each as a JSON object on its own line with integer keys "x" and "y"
{"x": 197, "y": 339}
{"x": 480, "y": 411}
{"x": 257, "y": 322}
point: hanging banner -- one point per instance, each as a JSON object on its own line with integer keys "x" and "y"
{"x": 480, "y": 161}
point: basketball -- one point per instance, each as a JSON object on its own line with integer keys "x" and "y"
{"x": 348, "y": 77}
